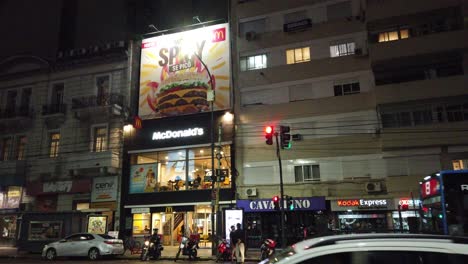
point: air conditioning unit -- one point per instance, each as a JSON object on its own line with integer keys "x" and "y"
{"x": 251, "y": 35}
{"x": 251, "y": 192}
{"x": 372, "y": 187}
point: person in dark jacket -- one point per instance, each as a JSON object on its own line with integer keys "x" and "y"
{"x": 232, "y": 241}
{"x": 239, "y": 236}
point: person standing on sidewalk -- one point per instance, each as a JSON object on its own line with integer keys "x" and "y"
{"x": 232, "y": 242}
{"x": 240, "y": 245}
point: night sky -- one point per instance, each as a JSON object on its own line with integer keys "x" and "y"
{"x": 41, "y": 28}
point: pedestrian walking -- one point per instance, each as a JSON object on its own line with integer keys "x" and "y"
{"x": 240, "y": 245}
{"x": 232, "y": 241}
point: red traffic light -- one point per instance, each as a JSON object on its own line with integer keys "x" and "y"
{"x": 269, "y": 129}
{"x": 275, "y": 198}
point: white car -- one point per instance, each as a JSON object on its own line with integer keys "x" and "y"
{"x": 376, "y": 249}
{"x": 83, "y": 245}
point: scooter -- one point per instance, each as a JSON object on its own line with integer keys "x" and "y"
{"x": 151, "y": 249}
{"x": 267, "y": 248}
{"x": 188, "y": 247}
{"x": 224, "y": 251}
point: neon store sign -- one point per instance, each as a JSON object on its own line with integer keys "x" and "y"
{"x": 169, "y": 134}
{"x": 362, "y": 203}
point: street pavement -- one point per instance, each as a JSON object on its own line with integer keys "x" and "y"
{"x": 11, "y": 255}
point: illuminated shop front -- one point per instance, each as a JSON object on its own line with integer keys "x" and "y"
{"x": 167, "y": 183}
{"x": 10, "y": 199}
{"x": 362, "y": 215}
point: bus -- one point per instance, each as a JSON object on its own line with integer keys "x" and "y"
{"x": 444, "y": 200}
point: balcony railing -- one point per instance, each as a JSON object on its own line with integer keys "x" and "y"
{"x": 51, "y": 109}
{"x": 25, "y": 111}
{"x": 96, "y": 101}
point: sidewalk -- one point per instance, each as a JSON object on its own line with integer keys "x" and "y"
{"x": 168, "y": 253}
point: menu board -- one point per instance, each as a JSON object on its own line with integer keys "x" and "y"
{"x": 97, "y": 224}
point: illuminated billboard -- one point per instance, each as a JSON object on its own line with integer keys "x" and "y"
{"x": 173, "y": 79}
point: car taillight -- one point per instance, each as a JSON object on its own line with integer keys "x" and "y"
{"x": 111, "y": 242}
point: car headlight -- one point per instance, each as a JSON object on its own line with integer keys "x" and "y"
{"x": 147, "y": 243}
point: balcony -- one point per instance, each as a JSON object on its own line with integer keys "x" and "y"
{"x": 13, "y": 172}
{"x": 378, "y": 9}
{"x": 246, "y": 8}
{"x": 98, "y": 108}
{"x": 93, "y": 162}
{"x": 434, "y": 43}
{"x": 316, "y": 31}
{"x": 54, "y": 115}
{"x": 305, "y": 70}
{"x": 419, "y": 90}
{"x": 15, "y": 119}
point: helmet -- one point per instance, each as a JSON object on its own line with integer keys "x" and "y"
{"x": 270, "y": 243}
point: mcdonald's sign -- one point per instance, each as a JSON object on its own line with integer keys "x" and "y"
{"x": 219, "y": 34}
{"x": 137, "y": 123}
{"x": 169, "y": 210}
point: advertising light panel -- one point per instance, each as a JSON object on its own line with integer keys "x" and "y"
{"x": 173, "y": 77}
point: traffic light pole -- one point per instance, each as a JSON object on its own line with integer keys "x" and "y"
{"x": 278, "y": 154}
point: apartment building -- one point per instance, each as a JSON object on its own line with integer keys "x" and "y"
{"x": 61, "y": 137}
{"x": 375, "y": 95}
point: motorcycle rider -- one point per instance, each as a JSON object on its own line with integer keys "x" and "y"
{"x": 155, "y": 240}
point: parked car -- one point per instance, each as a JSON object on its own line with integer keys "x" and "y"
{"x": 88, "y": 245}
{"x": 376, "y": 249}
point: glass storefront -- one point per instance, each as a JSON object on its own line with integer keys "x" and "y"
{"x": 362, "y": 222}
{"x": 177, "y": 170}
{"x": 172, "y": 225}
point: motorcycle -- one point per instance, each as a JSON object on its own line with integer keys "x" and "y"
{"x": 151, "y": 249}
{"x": 188, "y": 247}
{"x": 267, "y": 248}
{"x": 224, "y": 251}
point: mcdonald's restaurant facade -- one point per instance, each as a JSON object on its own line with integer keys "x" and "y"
{"x": 167, "y": 181}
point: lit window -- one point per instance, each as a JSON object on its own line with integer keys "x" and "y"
{"x": 393, "y": 35}
{"x": 82, "y": 206}
{"x": 460, "y": 164}
{"x": 298, "y": 55}
{"x": 20, "y": 147}
{"x": 253, "y": 62}
{"x": 347, "y": 88}
{"x": 54, "y": 139}
{"x": 307, "y": 173}
{"x": 99, "y": 139}
{"x": 342, "y": 49}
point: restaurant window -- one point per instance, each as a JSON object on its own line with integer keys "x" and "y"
{"x": 297, "y": 55}
{"x": 307, "y": 173}
{"x": 393, "y": 35}
{"x": 20, "y": 147}
{"x": 177, "y": 170}
{"x": 54, "y": 141}
{"x": 343, "y": 49}
{"x": 141, "y": 224}
{"x": 99, "y": 134}
{"x": 254, "y": 62}
{"x": 6, "y": 148}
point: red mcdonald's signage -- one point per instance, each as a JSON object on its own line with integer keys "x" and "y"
{"x": 219, "y": 34}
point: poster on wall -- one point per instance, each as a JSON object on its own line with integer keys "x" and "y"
{"x": 45, "y": 230}
{"x": 104, "y": 189}
{"x": 14, "y": 197}
{"x": 97, "y": 224}
{"x": 143, "y": 178}
{"x": 233, "y": 217}
{"x": 173, "y": 77}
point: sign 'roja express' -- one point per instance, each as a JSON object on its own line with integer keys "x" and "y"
{"x": 177, "y": 71}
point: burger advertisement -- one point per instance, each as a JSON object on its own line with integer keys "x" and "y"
{"x": 174, "y": 78}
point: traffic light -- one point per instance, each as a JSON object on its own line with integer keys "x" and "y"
{"x": 290, "y": 202}
{"x": 269, "y": 131}
{"x": 276, "y": 202}
{"x": 285, "y": 137}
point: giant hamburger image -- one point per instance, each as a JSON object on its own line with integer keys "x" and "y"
{"x": 182, "y": 93}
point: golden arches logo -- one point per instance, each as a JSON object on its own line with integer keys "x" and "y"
{"x": 219, "y": 34}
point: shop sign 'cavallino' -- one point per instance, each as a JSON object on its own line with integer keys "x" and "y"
{"x": 104, "y": 189}
{"x": 266, "y": 205}
{"x": 174, "y": 79}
